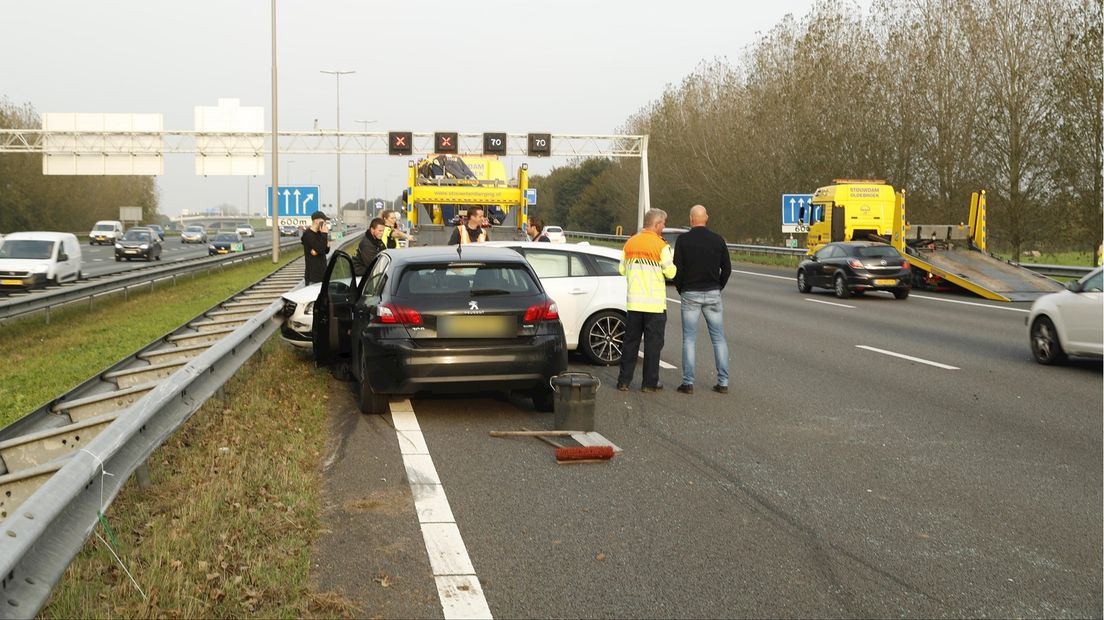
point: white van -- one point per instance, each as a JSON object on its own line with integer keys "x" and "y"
{"x": 105, "y": 232}
{"x": 30, "y": 259}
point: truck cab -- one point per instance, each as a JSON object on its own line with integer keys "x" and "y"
{"x": 851, "y": 210}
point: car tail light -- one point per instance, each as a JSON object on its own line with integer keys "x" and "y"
{"x": 546, "y": 311}
{"x": 393, "y": 314}
{"x": 905, "y": 265}
{"x": 856, "y": 263}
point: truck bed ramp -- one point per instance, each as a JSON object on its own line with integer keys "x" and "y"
{"x": 984, "y": 275}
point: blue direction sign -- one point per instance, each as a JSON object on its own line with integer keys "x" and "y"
{"x": 531, "y": 197}
{"x": 296, "y": 201}
{"x": 795, "y": 212}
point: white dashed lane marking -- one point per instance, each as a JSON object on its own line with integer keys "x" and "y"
{"x": 829, "y": 303}
{"x": 458, "y": 586}
{"x": 907, "y": 357}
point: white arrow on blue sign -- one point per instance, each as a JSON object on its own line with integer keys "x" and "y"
{"x": 795, "y": 212}
{"x": 296, "y": 201}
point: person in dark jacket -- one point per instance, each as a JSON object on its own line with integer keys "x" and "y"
{"x": 316, "y": 245}
{"x": 536, "y": 231}
{"x": 369, "y": 246}
{"x": 704, "y": 265}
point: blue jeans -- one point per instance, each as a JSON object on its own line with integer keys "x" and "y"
{"x": 708, "y": 303}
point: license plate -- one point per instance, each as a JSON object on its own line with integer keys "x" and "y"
{"x": 476, "y": 326}
{"x": 131, "y": 251}
{"x": 223, "y": 251}
{"x": 12, "y": 282}
{"x": 885, "y": 282}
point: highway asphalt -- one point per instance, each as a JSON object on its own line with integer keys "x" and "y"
{"x": 836, "y": 479}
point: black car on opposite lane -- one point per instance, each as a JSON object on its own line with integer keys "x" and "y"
{"x": 432, "y": 319}
{"x": 138, "y": 243}
{"x": 855, "y": 267}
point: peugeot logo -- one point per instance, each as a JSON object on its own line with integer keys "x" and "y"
{"x": 474, "y": 305}
{"x": 884, "y": 262}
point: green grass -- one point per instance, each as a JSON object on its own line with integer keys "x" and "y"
{"x": 1074, "y": 259}
{"x": 226, "y": 528}
{"x": 44, "y": 360}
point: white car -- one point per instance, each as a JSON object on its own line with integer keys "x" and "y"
{"x": 1069, "y": 322}
{"x": 582, "y": 279}
{"x": 584, "y": 282}
{"x": 244, "y": 230}
{"x": 299, "y": 315}
{"x": 555, "y": 234}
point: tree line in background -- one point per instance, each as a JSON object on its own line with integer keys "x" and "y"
{"x": 938, "y": 97}
{"x": 30, "y": 200}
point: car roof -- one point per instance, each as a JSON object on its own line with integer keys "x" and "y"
{"x": 447, "y": 254}
{"x": 40, "y": 235}
{"x": 861, "y": 244}
{"x": 583, "y": 247}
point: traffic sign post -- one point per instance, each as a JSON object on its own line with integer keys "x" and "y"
{"x": 796, "y": 212}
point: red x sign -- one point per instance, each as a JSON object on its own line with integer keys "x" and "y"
{"x": 446, "y": 141}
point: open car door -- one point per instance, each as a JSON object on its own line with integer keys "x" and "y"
{"x": 333, "y": 310}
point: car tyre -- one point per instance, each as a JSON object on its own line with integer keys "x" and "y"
{"x": 803, "y": 285}
{"x": 544, "y": 399}
{"x": 841, "y": 288}
{"x": 603, "y": 338}
{"x": 901, "y": 293}
{"x": 1045, "y": 345}
{"x": 367, "y": 399}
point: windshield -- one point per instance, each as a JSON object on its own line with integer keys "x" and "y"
{"x": 193, "y": 229}
{"x": 225, "y": 237}
{"x": 27, "y": 248}
{"x": 878, "y": 251}
{"x": 136, "y": 235}
{"x": 104, "y": 227}
{"x": 467, "y": 280}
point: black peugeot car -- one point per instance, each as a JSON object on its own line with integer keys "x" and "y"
{"x": 440, "y": 319}
{"x": 856, "y": 267}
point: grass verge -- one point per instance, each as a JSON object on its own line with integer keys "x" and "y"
{"x": 44, "y": 360}
{"x": 226, "y": 528}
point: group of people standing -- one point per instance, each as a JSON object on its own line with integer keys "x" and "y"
{"x": 383, "y": 233}
{"x": 699, "y": 265}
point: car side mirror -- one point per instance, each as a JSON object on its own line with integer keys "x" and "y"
{"x": 62, "y": 256}
{"x": 813, "y": 257}
{"x": 1073, "y": 286}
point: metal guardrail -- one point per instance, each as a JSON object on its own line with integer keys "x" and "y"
{"x": 40, "y": 539}
{"x": 42, "y": 535}
{"x": 1051, "y": 271}
{"x": 15, "y": 307}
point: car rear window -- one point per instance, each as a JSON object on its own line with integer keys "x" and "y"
{"x": 467, "y": 279}
{"x": 878, "y": 251}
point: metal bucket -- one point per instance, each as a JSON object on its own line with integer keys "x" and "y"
{"x": 574, "y": 404}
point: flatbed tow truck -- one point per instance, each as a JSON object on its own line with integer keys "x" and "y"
{"x": 940, "y": 254}
{"x": 444, "y": 185}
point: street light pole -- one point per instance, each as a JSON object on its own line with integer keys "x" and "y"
{"x": 275, "y": 152}
{"x": 337, "y": 73}
{"x": 365, "y": 123}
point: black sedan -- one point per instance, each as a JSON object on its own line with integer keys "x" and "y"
{"x": 138, "y": 243}
{"x": 430, "y": 319}
{"x": 225, "y": 243}
{"x": 855, "y": 267}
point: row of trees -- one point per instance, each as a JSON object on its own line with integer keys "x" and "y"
{"x": 30, "y": 200}
{"x": 939, "y": 97}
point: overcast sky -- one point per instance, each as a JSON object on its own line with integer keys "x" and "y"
{"x": 559, "y": 66}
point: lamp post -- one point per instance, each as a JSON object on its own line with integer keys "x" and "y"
{"x": 365, "y": 123}
{"x": 337, "y": 73}
{"x": 275, "y": 152}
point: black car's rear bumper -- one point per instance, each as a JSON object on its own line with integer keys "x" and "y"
{"x": 894, "y": 281}
{"x": 407, "y": 367}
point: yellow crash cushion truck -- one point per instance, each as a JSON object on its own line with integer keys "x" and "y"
{"x": 951, "y": 256}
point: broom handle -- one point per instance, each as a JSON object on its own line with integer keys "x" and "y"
{"x": 533, "y": 433}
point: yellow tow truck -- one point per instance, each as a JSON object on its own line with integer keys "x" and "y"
{"x": 941, "y": 255}
{"x": 446, "y": 185}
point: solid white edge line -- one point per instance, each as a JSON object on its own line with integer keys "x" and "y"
{"x": 829, "y": 303}
{"x": 458, "y": 587}
{"x": 908, "y": 357}
{"x": 970, "y": 303}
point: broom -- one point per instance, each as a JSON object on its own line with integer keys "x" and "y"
{"x": 564, "y": 454}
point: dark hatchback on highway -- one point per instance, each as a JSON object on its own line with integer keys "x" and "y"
{"x": 854, "y": 268}
{"x": 138, "y": 243}
{"x": 225, "y": 243}
{"x": 432, "y": 319}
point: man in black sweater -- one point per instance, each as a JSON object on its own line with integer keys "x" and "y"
{"x": 704, "y": 265}
{"x": 316, "y": 244}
